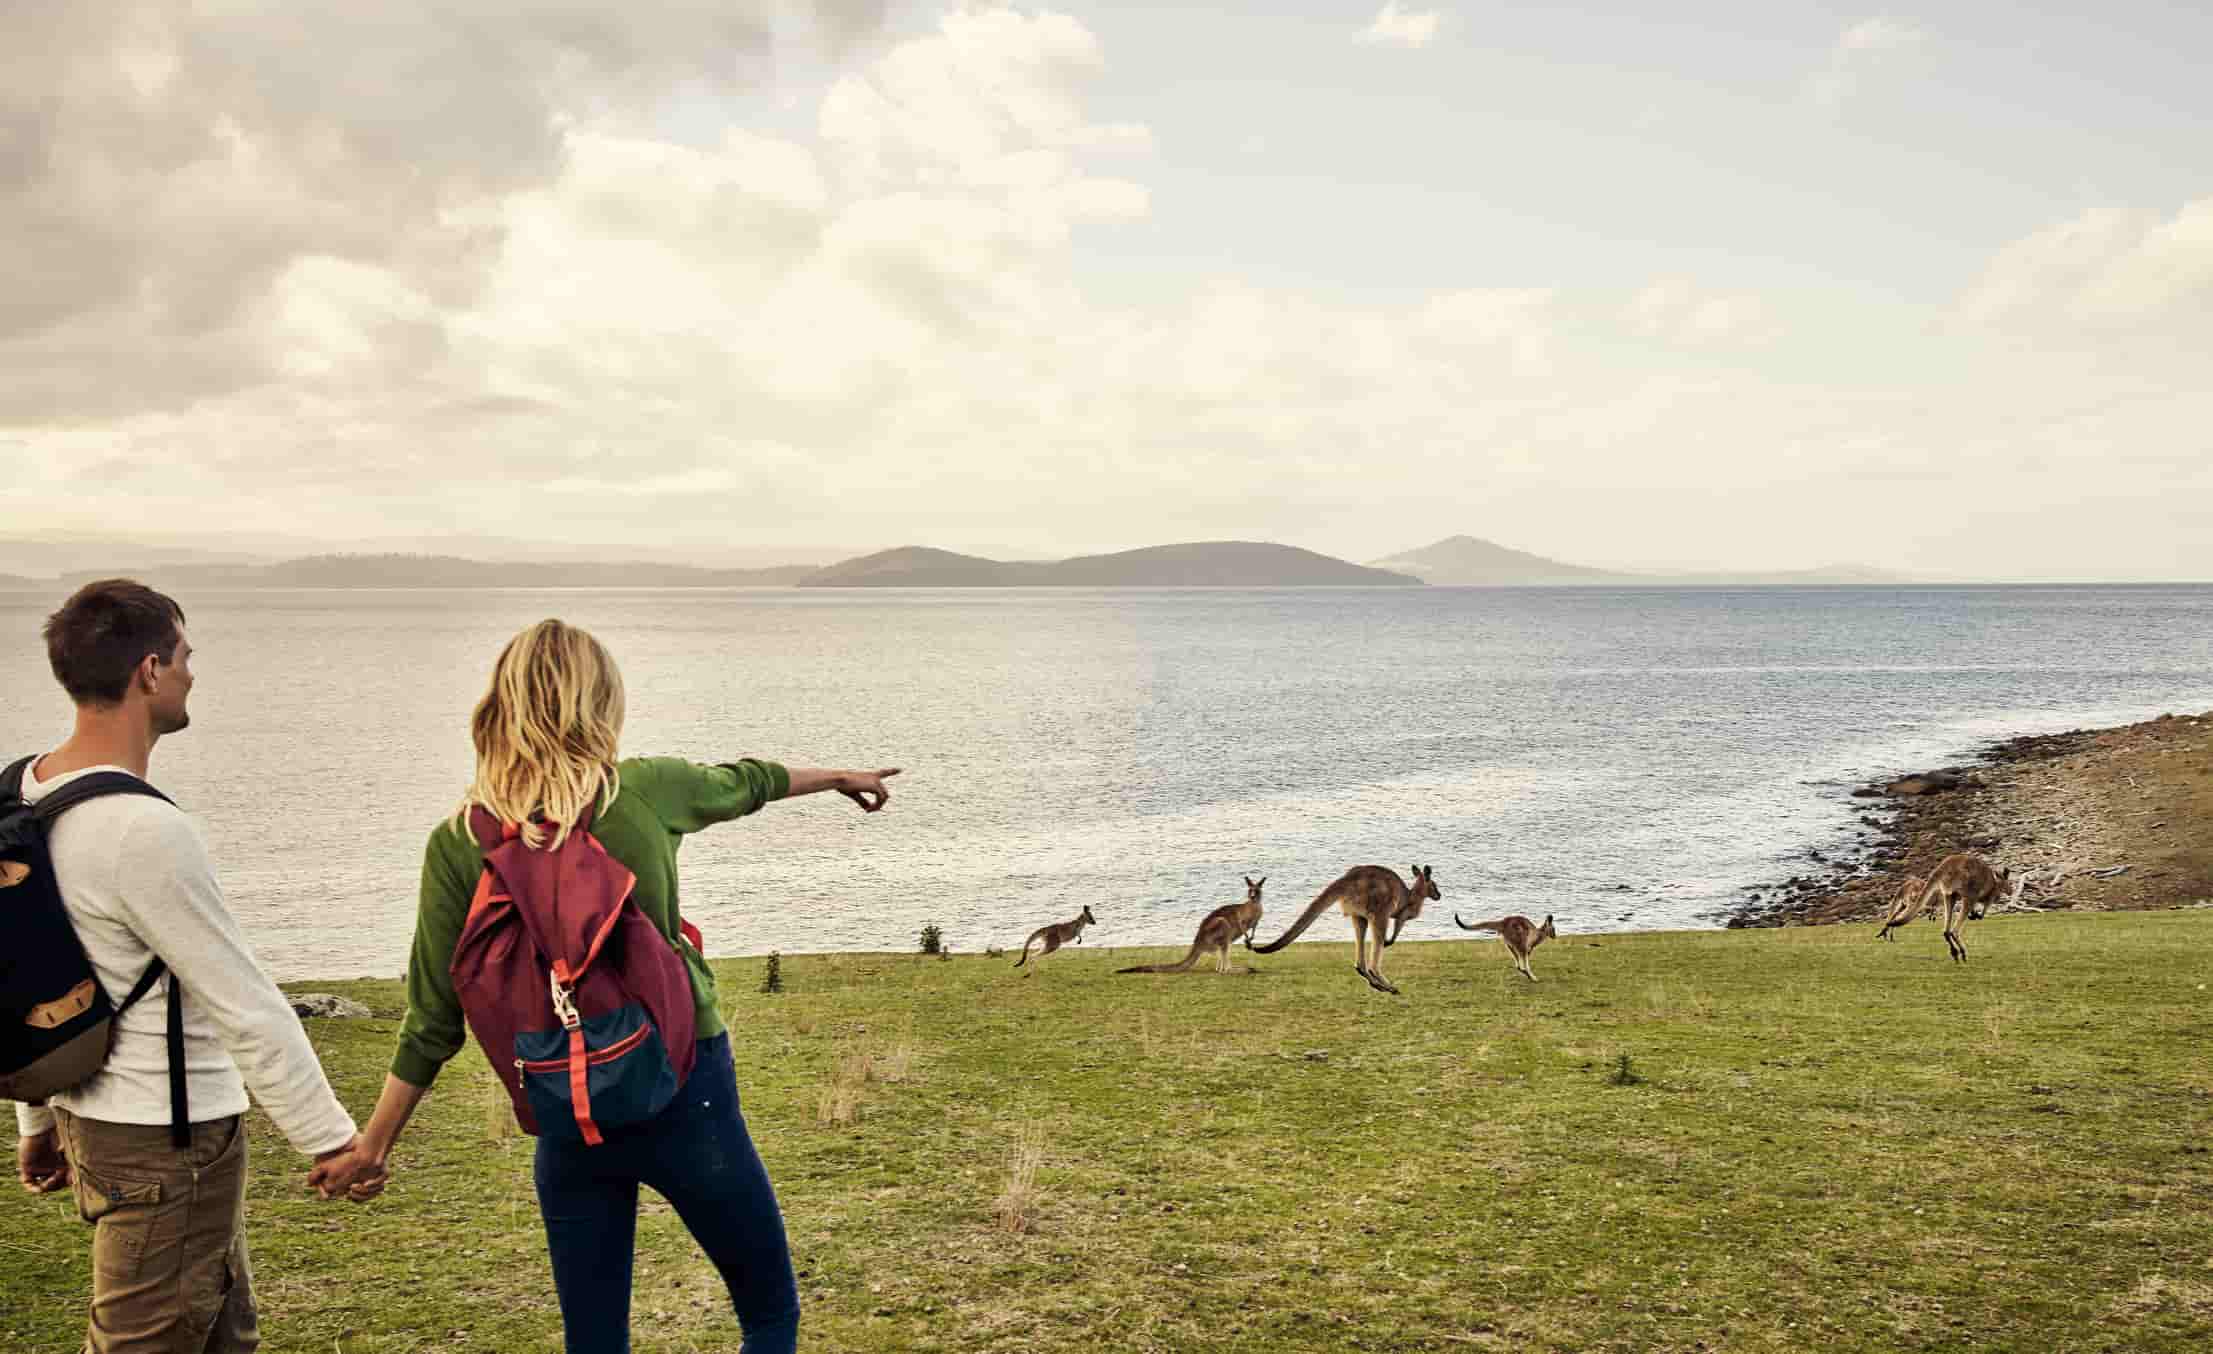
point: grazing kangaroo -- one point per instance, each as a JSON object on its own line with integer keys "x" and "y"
{"x": 1370, "y": 895}
{"x": 1218, "y": 932}
{"x": 1520, "y": 934}
{"x": 1967, "y": 885}
{"x": 1057, "y": 935}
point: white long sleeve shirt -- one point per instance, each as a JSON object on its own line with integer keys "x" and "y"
{"x": 136, "y": 878}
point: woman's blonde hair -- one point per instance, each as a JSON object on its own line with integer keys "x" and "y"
{"x": 547, "y": 732}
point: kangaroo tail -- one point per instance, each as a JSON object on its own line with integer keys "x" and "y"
{"x": 1491, "y": 925}
{"x": 1314, "y": 909}
{"x": 1025, "y": 951}
{"x": 1182, "y": 966}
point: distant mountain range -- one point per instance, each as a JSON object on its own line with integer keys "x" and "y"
{"x": 1454, "y": 561}
{"x": 1467, "y": 561}
{"x": 1203, "y": 564}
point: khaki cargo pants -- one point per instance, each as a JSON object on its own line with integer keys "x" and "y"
{"x": 169, "y": 1270}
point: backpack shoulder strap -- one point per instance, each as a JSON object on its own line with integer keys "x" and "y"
{"x": 11, "y": 780}
{"x": 53, "y": 806}
{"x": 94, "y": 786}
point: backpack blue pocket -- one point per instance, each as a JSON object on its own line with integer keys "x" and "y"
{"x": 626, "y": 1073}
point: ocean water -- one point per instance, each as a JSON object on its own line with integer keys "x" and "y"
{"x": 1623, "y": 758}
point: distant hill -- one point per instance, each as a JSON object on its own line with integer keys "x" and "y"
{"x": 915, "y": 566}
{"x": 451, "y": 571}
{"x": 1468, "y": 561}
{"x": 1197, "y": 564}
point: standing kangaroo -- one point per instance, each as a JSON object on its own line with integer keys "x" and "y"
{"x": 1370, "y": 895}
{"x": 1057, "y": 935}
{"x": 1218, "y": 932}
{"x": 1520, "y": 934}
{"x": 1967, "y": 885}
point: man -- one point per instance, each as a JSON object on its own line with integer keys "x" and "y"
{"x": 169, "y": 1271}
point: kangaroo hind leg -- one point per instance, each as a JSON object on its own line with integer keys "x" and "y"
{"x": 1374, "y": 973}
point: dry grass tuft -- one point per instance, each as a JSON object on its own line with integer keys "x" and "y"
{"x": 896, "y": 1063}
{"x": 840, "y": 1101}
{"x": 499, "y": 1111}
{"x": 1016, "y": 1207}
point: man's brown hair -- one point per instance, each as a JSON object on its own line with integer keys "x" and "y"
{"x": 103, "y": 632}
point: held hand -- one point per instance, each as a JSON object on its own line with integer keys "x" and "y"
{"x": 369, "y": 1183}
{"x": 350, "y": 1171}
{"x": 866, "y": 788}
{"x": 40, "y": 1165}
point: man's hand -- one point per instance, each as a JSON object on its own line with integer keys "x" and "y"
{"x": 349, "y": 1171}
{"x": 866, "y": 788}
{"x": 39, "y": 1163}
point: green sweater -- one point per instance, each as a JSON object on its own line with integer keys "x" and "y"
{"x": 661, "y": 800}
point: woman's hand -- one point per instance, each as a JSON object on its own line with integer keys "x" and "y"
{"x": 866, "y": 788}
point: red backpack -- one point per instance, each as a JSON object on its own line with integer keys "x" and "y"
{"x": 582, "y": 1005}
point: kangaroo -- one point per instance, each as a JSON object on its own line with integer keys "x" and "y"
{"x": 1369, "y": 895}
{"x": 1520, "y": 934}
{"x": 1905, "y": 909}
{"x": 1218, "y": 932}
{"x": 1057, "y": 935}
{"x": 1966, "y": 883}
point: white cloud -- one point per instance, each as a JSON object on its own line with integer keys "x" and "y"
{"x": 164, "y": 169}
{"x": 1395, "y": 27}
{"x": 2107, "y": 270}
{"x": 1677, "y": 310}
{"x": 1858, "y": 52}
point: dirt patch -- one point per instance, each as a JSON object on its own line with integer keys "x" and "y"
{"x": 2099, "y": 819}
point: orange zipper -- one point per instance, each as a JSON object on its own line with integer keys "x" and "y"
{"x": 607, "y": 1054}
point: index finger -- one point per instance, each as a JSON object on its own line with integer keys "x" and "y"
{"x": 887, "y": 775}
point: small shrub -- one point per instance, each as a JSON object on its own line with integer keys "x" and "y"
{"x": 933, "y": 939}
{"x": 773, "y": 981}
{"x": 1622, "y": 1074}
{"x": 994, "y": 952}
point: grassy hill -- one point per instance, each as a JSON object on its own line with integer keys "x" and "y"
{"x": 1773, "y": 1140}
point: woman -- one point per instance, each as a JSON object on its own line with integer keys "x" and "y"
{"x": 546, "y": 736}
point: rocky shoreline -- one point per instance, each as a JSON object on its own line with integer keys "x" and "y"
{"x": 2099, "y": 819}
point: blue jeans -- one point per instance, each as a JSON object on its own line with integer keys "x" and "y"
{"x": 697, "y": 1155}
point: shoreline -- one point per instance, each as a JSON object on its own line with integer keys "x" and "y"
{"x": 2100, "y": 820}
{"x": 2068, "y": 807}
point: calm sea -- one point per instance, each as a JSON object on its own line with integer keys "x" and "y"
{"x": 1624, "y": 758}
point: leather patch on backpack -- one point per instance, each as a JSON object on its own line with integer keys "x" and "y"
{"x": 12, "y": 873}
{"x": 62, "y": 1009}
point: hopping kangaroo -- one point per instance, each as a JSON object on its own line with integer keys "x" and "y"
{"x": 1967, "y": 885}
{"x": 1520, "y": 934}
{"x": 1370, "y": 895}
{"x": 1057, "y": 935}
{"x": 1218, "y": 932}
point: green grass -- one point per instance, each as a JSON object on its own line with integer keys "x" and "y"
{"x": 1820, "y": 1143}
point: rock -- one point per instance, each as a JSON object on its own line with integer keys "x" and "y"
{"x": 1982, "y": 843}
{"x": 325, "y": 1006}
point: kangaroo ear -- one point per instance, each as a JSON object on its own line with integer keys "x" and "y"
{"x": 1247, "y": 879}
{"x": 1263, "y": 880}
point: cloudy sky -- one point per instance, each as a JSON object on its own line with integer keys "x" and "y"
{"x": 1763, "y": 284}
